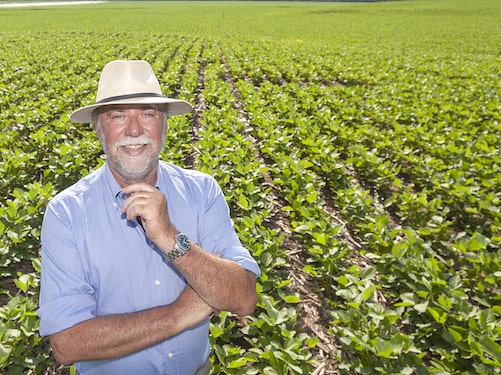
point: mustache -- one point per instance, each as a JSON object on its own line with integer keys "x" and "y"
{"x": 130, "y": 141}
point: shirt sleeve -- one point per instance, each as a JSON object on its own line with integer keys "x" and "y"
{"x": 218, "y": 231}
{"x": 66, "y": 298}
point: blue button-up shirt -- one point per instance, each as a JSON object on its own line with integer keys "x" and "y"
{"x": 96, "y": 262}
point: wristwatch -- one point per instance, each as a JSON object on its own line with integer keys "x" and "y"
{"x": 182, "y": 246}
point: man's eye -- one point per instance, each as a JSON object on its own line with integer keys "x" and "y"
{"x": 118, "y": 117}
{"x": 148, "y": 114}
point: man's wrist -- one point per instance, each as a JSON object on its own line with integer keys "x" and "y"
{"x": 181, "y": 247}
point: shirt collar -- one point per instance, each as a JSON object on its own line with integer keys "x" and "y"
{"x": 113, "y": 186}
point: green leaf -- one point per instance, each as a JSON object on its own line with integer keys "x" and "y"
{"x": 243, "y": 202}
{"x": 491, "y": 347}
{"x": 237, "y": 363}
{"x": 302, "y": 229}
{"x": 388, "y": 348}
{"x": 437, "y": 315}
{"x": 477, "y": 243}
{"x": 292, "y": 298}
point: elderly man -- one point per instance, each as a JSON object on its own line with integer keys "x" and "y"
{"x": 137, "y": 255}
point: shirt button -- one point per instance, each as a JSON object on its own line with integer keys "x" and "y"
{"x": 157, "y": 282}
{"x": 170, "y": 355}
{"x": 152, "y": 245}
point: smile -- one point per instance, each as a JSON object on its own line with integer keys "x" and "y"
{"x": 134, "y": 147}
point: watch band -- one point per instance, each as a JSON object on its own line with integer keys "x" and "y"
{"x": 182, "y": 246}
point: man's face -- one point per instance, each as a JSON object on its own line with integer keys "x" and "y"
{"x": 132, "y": 137}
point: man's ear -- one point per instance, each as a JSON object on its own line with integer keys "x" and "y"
{"x": 97, "y": 130}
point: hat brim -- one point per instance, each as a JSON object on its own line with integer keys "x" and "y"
{"x": 174, "y": 107}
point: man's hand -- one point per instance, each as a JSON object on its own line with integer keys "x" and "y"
{"x": 150, "y": 206}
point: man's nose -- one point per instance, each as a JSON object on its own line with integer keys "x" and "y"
{"x": 134, "y": 127}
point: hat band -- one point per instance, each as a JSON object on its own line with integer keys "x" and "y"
{"x": 130, "y": 96}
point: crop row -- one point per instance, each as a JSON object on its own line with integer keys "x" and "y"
{"x": 430, "y": 222}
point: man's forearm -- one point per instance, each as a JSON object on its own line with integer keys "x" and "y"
{"x": 115, "y": 336}
{"x": 221, "y": 283}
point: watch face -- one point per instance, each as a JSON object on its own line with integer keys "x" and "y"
{"x": 183, "y": 241}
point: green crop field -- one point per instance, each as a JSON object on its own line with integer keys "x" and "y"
{"x": 358, "y": 145}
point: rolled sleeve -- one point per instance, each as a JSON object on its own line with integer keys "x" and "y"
{"x": 219, "y": 231}
{"x": 65, "y": 312}
{"x": 240, "y": 255}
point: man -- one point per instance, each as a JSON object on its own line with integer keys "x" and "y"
{"x": 137, "y": 255}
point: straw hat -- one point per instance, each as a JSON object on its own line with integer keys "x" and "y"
{"x": 129, "y": 82}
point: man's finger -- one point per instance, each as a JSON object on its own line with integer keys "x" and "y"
{"x": 135, "y": 188}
